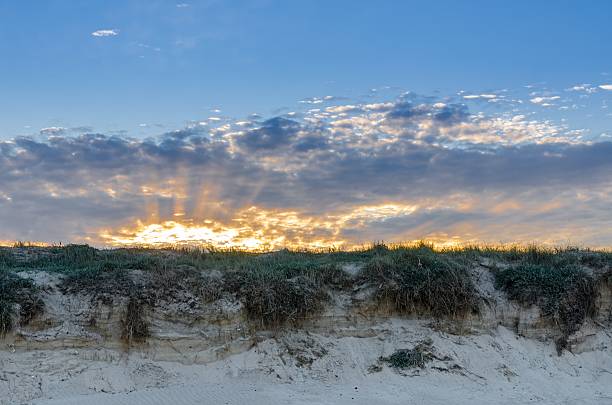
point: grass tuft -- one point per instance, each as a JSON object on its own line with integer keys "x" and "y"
{"x": 284, "y": 287}
{"x": 411, "y": 358}
{"x": 17, "y": 291}
{"x": 421, "y": 281}
{"x": 565, "y": 294}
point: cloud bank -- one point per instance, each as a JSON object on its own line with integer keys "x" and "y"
{"x": 341, "y": 174}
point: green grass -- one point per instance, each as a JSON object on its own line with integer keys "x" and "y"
{"x": 7, "y": 259}
{"x": 289, "y": 286}
{"x": 565, "y": 294}
{"x": 284, "y": 287}
{"x": 421, "y": 281}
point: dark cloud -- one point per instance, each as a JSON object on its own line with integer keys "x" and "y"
{"x": 308, "y": 143}
{"x": 273, "y": 133}
{"x": 442, "y": 114}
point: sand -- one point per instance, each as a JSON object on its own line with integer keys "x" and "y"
{"x": 306, "y": 368}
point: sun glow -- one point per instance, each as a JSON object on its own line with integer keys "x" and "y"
{"x": 16, "y": 243}
{"x": 258, "y": 229}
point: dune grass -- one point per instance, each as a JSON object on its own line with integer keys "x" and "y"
{"x": 17, "y": 292}
{"x": 565, "y": 292}
{"x": 286, "y": 287}
{"x": 419, "y": 280}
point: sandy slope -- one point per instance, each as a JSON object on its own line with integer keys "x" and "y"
{"x": 303, "y": 368}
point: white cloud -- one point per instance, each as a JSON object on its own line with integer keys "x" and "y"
{"x": 543, "y": 100}
{"x": 606, "y": 86}
{"x": 475, "y": 96}
{"x": 585, "y": 88}
{"x": 105, "y": 33}
{"x": 52, "y": 130}
{"x": 182, "y": 5}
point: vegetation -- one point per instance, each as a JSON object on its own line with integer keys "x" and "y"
{"x": 7, "y": 259}
{"x": 287, "y": 287}
{"x": 284, "y": 287}
{"x": 134, "y": 325}
{"x": 565, "y": 294}
{"x": 420, "y": 280}
{"x": 17, "y": 291}
{"x": 411, "y": 358}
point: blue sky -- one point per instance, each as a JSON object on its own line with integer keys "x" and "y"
{"x": 311, "y": 123}
{"x": 172, "y": 62}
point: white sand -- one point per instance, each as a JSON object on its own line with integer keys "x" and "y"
{"x": 499, "y": 367}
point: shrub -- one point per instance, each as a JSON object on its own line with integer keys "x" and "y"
{"x": 419, "y": 280}
{"x": 565, "y": 294}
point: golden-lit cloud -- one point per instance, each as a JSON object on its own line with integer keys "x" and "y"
{"x": 258, "y": 229}
{"x": 336, "y": 174}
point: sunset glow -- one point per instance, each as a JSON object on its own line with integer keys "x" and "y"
{"x": 258, "y": 229}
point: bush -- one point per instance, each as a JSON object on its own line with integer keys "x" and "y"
{"x": 565, "y": 294}
{"x": 419, "y": 280}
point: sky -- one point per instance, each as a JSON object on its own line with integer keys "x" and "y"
{"x": 265, "y": 124}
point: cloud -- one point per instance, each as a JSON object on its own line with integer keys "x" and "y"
{"x": 345, "y": 174}
{"x": 477, "y": 96}
{"x": 606, "y": 86}
{"x": 272, "y": 134}
{"x": 182, "y": 5}
{"x": 543, "y": 100}
{"x": 586, "y": 88}
{"x": 105, "y": 33}
{"x": 52, "y": 130}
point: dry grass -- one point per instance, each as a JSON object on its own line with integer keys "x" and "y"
{"x": 134, "y": 324}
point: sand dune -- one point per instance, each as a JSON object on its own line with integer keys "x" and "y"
{"x": 498, "y": 367}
